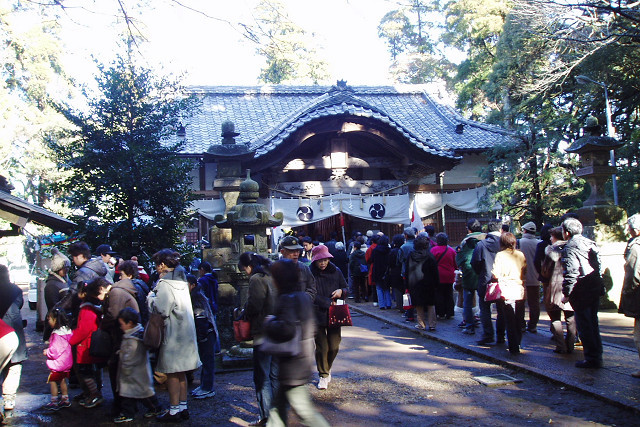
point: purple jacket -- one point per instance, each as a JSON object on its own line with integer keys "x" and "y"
{"x": 59, "y": 357}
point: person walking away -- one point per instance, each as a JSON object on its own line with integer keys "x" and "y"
{"x": 178, "y": 352}
{"x": 292, "y": 310}
{"x": 482, "y": 261}
{"x": 395, "y": 271}
{"x": 11, "y": 302}
{"x": 630, "y": 298}
{"x": 403, "y": 255}
{"x": 135, "y": 379}
{"x": 340, "y": 259}
{"x": 260, "y": 304}
{"x": 89, "y": 318}
{"x": 509, "y": 269}
{"x": 331, "y": 286}
{"x": 445, "y": 257}
{"x": 379, "y": 276}
{"x": 209, "y": 283}
{"x": 551, "y": 273}
{"x": 422, "y": 279}
{"x": 358, "y": 273}
{"x": 207, "y": 334}
{"x": 528, "y": 246}
{"x": 469, "y": 276}
{"x": 582, "y": 287}
{"x": 371, "y": 289}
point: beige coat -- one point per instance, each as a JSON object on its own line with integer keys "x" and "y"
{"x": 179, "y": 349}
{"x": 510, "y": 268}
{"x": 134, "y": 371}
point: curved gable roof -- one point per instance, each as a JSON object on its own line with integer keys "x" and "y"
{"x": 339, "y": 102}
{"x": 264, "y": 116}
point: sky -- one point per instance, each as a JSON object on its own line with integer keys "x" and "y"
{"x": 214, "y": 52}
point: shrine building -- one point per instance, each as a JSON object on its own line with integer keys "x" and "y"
{"x": 339, "y": 158}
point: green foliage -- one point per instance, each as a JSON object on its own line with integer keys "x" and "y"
{"x": 127, "y": 184}
{"x": 288, "y": 50}
{"x": 31, "y": 73}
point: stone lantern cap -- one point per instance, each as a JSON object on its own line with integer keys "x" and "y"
{"x": 593, "y": 139}
{"x": 594, "y": 143}
{"x": 248, "y": 212}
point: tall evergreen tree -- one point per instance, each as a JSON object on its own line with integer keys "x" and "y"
{"x": 125, "y": 173}
{"x": 288, "y": 50}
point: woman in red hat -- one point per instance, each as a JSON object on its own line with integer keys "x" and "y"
{"x": 331, "y": 286}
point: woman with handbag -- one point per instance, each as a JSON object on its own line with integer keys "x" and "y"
{"x": 293, "y": 320}
{"x": 178, "y": 352}
{"x": 260, "y": 303}
{"x": 509, "y": 270}
{"x": 330, "y": 285}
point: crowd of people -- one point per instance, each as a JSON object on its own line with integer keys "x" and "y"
{"x": 112, "y": 303}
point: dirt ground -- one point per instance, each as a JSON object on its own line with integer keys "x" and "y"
{"x": 382, "y": 376}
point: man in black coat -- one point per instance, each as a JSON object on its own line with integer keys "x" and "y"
{"x": 482, "y": 260}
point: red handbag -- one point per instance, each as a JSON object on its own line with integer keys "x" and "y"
{"x": 494, "y": 293}
{"x": 339, "y": 315}
{"x": 242, "y": 330}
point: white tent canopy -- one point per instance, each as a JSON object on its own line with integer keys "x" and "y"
{"x": 209, "y": 208}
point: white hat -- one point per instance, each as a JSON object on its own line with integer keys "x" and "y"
{"x": 634, "y": 221}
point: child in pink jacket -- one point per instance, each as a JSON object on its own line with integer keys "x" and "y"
{"x": 59, "y": 359}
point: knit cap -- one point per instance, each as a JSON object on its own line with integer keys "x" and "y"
{"x": 58, "y": 260}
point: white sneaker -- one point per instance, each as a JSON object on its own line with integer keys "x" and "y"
{"x": 9, "y": 404}
{"x": 323, "y": 383}
{"x": 203, "y": 394}
{"x": 195, "y": 391}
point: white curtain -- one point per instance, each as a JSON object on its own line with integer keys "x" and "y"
{"x": 393, "y": 209}
{"x": 466, "y": 201}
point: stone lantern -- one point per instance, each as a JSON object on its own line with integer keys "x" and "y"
{"x": 601, "y": 220}
{"x": 248, "y": 221}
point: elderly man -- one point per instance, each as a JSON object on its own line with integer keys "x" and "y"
{"x": 582, "y": 287}
{"x": 630, "y": 298}
{"x": 528, "y": 246}
{"x": 290, "y": 248}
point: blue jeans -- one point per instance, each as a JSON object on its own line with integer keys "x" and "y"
{"x": 589, "y": 331}
{"x": 265, "y": 378}
{"x": 384, "y": 296}
{"x": 206, "y": 351}
{"x": 467, "y": 308}
{"x": 300, "y": 400}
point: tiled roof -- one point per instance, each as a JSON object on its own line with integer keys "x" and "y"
{"x": 265, "y": 116}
